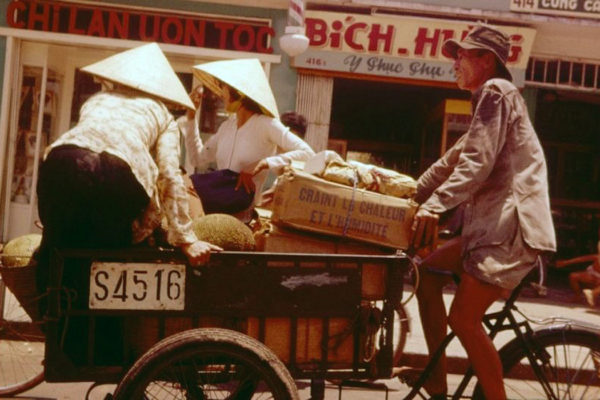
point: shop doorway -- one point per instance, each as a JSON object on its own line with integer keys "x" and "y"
{"x": 568, "y": 124}
{"x": 389, "y": 124}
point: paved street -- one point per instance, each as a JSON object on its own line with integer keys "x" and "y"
{"x": 557, "y": 303}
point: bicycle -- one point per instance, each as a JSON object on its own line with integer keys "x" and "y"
{"x": 21, "y": 340}
{"x": 558, "y": 361}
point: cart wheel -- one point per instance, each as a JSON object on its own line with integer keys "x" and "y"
{"x": 208, "y": 363}
{"x": 21, "y": 347}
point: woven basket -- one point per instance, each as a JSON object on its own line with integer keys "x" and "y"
{"x": 21, "y": 282}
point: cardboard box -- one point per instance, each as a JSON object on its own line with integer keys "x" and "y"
{"x": 308, "y": 202}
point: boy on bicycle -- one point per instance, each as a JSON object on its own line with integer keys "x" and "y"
{"x": 497, "y": 173}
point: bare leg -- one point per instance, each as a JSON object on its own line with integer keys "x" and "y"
{"x": 577, "y": 279}
{"x": 574, "y": 282}
{"x": 472, "y": 299}
{"x": 432, "y": 310}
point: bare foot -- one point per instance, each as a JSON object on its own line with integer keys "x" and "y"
{"x": 410, "y": 376}
{"x": 589, "y": 297}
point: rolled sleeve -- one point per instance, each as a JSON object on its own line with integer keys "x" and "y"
{"x": 482, "y": 144}
{"x": 294, "y": 148}
{"x": 171, "y": 189}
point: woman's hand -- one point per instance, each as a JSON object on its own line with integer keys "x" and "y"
{"x": 424, "y": 228}
{"x": 262, "y": 165}
{"x": 245, "y": 180}
{"x": 198, "y": 252}
{"x": 196, "y": 97}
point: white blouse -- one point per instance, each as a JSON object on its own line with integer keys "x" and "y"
{"x": 240, "y": 149}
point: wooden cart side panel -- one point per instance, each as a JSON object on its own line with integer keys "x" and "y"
{"x": 311, "y": 328}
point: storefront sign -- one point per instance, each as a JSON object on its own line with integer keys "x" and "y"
{"x": 572, "y": 8}
{"x": 141, "y": 24}
{"x": 395, "y": 46}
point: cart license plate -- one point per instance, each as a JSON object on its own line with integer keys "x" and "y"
{"x": 137, "y": 286}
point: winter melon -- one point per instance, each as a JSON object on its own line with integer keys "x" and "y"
{"x": 18, "y": 251}
{"x": 225, "y": 231}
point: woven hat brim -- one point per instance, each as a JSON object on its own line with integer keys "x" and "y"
{"x": 247, "y": 76}
{"x": 146, "y": 69}
{"x": 451, "y": 47}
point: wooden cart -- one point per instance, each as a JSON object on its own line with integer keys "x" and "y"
{"x": 246, "y": 324}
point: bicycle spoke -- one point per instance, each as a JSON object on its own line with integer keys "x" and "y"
{"x": 21, "y": 348}
{"x": 570, "y": 373}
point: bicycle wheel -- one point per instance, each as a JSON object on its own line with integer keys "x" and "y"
{"x": 21, "y": 347}
{"x": 401, "y": 329}
{"x": 568, "y": 358}
{"x": 207, "y": 364}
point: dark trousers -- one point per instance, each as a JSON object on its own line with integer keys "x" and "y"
{"x": 85, "y": 200}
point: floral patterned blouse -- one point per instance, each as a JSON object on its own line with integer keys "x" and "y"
{"x": 142, "y": 132}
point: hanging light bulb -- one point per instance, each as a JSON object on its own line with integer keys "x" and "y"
{"x": 294, "y": 41}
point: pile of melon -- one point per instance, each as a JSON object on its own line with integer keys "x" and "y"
{"x": 18, "y": 251}
{"x": 225, "y": 231}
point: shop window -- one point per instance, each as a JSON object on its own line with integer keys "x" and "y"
{"x": 84, "y": 86}
{"x": 567, "y": 123}
{"x": 30, "y": 112}
{"x": 552, "y": 72}
{"x": 538, "y": 70}
{"x": 577, "y": 73}
{"x": 573, "y": 164}
{"x": 213, "y": 112}
{"x": 589, "y": 75}
{"x": 564, "y": 72}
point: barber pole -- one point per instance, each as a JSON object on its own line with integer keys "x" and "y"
{"x": 294, "y": 41}
{"x": 296, "y": 13}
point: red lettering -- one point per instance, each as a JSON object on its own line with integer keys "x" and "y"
{"x": 422, "y": 40}
{"x": 243, "y": 31}
{"x": 335, "y": 40}
{"x": 12, "y": 14}
{"x": 197, "y": 31}
{"x": 376, "y": 35}
{"x": 316, "y": 31}
{"x": 144, "y": 31}
{"x": 350, "y": 35}
{"x": 96, "y": 27}
{"x": 73, "y": 22}
{"x": 224, "y": 28}
{"x": 261, "y": 39}
{"x": 42, "y": 17}
{"x": 100, "y": 20}
{"x": 177, "y": 30}
{"x": 515, "y": 51}
{"x": 118, "y": 26}
{"x": 55, "y": 17}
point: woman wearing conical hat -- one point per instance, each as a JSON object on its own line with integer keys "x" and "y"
{"x": 110, "y": 180}
{"x": 253, "y": 139}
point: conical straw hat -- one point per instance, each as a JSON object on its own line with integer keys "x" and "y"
{"x": 144, "y": 68}
{"x": 247, "y": 76}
